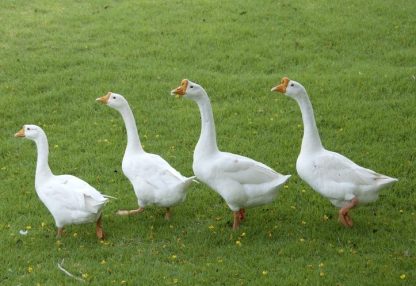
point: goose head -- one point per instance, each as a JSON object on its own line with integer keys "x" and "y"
{"x": 29, "y": 131}
{"x": 290, "y": 88}
{"x": 189, "y": 89}
{"x": 113, "y": 100}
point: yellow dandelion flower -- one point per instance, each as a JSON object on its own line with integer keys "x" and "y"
{"x": 293, "y": 207}
{"x": 56, "y": 146}
{"x": 401, "y": 211}
{"x": 211, "y": 227}
{"x": 325, "y": 217}
{"x": 303, "y": 222}
{"x": 43, "y": 224}
{"x": 243, "y": 234}
{"x": 175, "y": 280}
{"x": 75, "y": 234}
{"x": 28, "y": 227}
{"x": 123, "y": 282}
{"x": 30, "y": 269}
{"x": 264, "y": 272}
{"x": 286, "y": 186}
{"x": 302, "y": 240}
{"x": 303, "y": 191}
{"x": 103, "y": 261}
{"x": 238, "y": 243}
{"x": 322, "y": 274}
{"x": 85, "y": 275}
{"x": 173, "y": 257}
{"x": 403, "y": 276}
{"x": 321, "y": 264}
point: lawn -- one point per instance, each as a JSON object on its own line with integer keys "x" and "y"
{"x": 357, "y": 59}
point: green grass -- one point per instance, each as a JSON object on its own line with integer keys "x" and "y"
{"x": 357, "y": 61}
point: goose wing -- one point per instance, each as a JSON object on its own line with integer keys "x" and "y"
{"x": 336, "y": 168}
{"x": 69, "y": 192}
{"x": 244, "y": 170}
{"x": 155, "y": 171}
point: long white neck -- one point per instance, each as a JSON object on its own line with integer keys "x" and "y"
{"x": 311, "y": 141}
{"x": 42, "y": 166}
{"x": 133, "y": 140}
{"x": 207, "y": 142}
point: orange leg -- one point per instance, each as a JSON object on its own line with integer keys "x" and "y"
{"x": 129, "y": 212}
{"x": 168, "y": 214}
{"x": 344, "y": 217}
{"x": 242, "y": 214}
{"x": 60, "y": 232}
{"x": 237, "y": 220}
{"x": 99, "y": 229}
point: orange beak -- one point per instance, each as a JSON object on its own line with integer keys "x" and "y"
{"x": 20, "y": 133}
{"x": 104, "y": 99}
{"x": 282, "y": 86}
{"x": 181, "y": 90}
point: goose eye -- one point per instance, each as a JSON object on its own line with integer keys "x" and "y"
{"x": 191, "y": 86}
{"x": 292, "y": 84}
{"x": 28, "y": 128}
{"x": 114, "y": 97}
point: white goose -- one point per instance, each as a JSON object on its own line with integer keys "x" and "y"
{"x": 240, "y": 181}
{"x": 331, "y": 174}
{"x": 153, "y": 179}
{"x": 69, "y": 199}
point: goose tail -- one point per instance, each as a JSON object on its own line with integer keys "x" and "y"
{"x": 385, "y": 181}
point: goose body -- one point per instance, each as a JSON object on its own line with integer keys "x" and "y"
{"x": 331, "y": 174}
{"x": 69, "y": 199}
{"x": 340, "y": 179}
{"x": 242, "y": 182}
{"x": 155, "y": 182}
